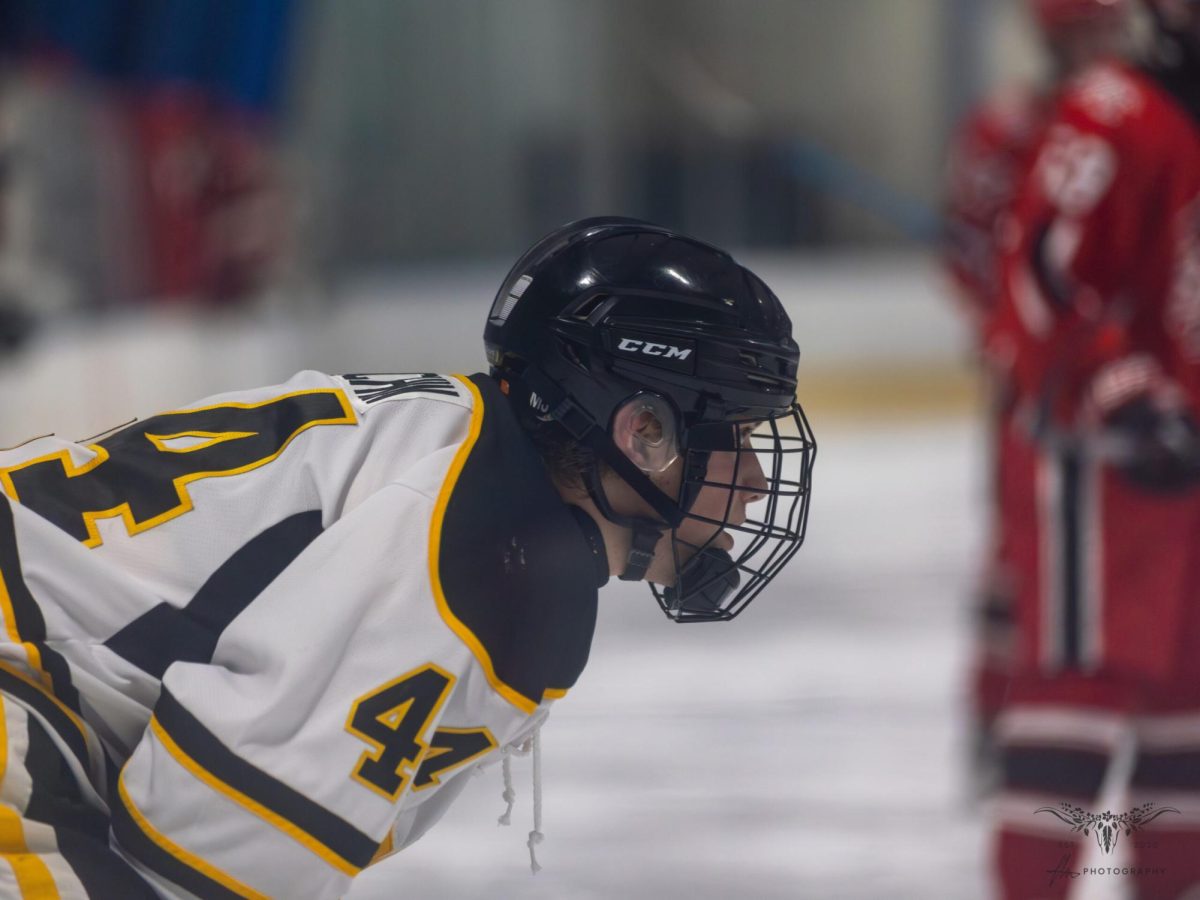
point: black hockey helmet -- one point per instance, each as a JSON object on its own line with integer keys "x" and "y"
{"x": 605, "y": 310}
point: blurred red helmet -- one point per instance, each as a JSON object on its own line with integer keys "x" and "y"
{"x": 1054, "y": 15}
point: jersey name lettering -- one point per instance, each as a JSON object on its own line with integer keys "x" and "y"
{"x": 373, "y": 388}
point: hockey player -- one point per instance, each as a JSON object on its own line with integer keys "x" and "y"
{"x": 1101, "y": 314}
{"x": 255, "y": 644}
{"x": 993, "y": 146}
{"x": 989, "y": 158}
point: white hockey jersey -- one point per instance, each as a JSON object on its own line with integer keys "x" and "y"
{"x": 275, "y": 628}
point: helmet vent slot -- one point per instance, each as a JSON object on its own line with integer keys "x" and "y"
{"x": 765, "y": 380}
{"x": 587, "y": 307}
{"x": 593, "y": 309}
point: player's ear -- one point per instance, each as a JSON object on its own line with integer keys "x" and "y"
{"x": 643, "y": 428}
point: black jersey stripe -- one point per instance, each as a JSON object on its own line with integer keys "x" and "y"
{"x": 28, "y": 621}
{"x": 1177, "y": 770}
{"x": 166, "y": 634}
{"x": 80, "y": 830}
{"x": 55, "y": 715}
{"x": 329, "y": 835}
{"x": 1068, "y": 772}
{"x": 55, "y": 798}
{"x": 103, "y": 874}
{"x": 156, "y": 852}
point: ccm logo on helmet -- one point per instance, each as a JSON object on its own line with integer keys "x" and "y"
{"x": 633, "y": 345}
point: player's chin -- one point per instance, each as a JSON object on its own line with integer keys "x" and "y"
{"x": 713, "y": 540}
{"x": 678, "y": 548}
{"x": 663, "y": 571}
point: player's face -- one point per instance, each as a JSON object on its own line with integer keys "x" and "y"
{"x": 714, "y": 501}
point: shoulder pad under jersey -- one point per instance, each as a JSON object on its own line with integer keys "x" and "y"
{"x": 517, "y": 575}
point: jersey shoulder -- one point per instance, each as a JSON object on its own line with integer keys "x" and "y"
{"x": 987, "y": 158}
{"x": 1114, "y": 125}
{"x": 1112, "y": 98}
{"x": 361, "y": 392}
{"x": 1009, "y": 117}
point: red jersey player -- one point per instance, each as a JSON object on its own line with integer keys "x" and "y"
{"x": 1100, "y": 315}
{"x": 992, "y": 151}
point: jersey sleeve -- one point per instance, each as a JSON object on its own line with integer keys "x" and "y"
{"x": 984, "y": 165}
{"x": 1082, "y": 265}
{"x": 280, "y": 769}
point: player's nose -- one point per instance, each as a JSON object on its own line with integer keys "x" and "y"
{"x": 751, "y": 479}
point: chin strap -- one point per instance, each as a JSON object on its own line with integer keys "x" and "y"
{"x": 646, "y": 532}
{"x": 641, "y": 553}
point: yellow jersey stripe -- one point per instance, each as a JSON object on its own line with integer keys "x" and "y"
{"x": 44, "y": 692}
{"x": 385, "y": 850}
{"x": 3, "y": 743}
{"x": 301, "y": 837}
{"x": 33, "y": 876}
{"x": 10, "y": 628}
{"x": 189, "y": 859}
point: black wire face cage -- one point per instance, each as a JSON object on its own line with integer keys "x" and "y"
{"x": 712, "y": 584}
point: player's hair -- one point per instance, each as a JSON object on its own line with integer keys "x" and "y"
{"x": 567, "y": 461}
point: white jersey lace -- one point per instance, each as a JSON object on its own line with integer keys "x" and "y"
{"x": 531, "y": 745}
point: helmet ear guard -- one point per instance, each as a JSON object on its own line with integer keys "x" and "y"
{"x": 643, "y": 428}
